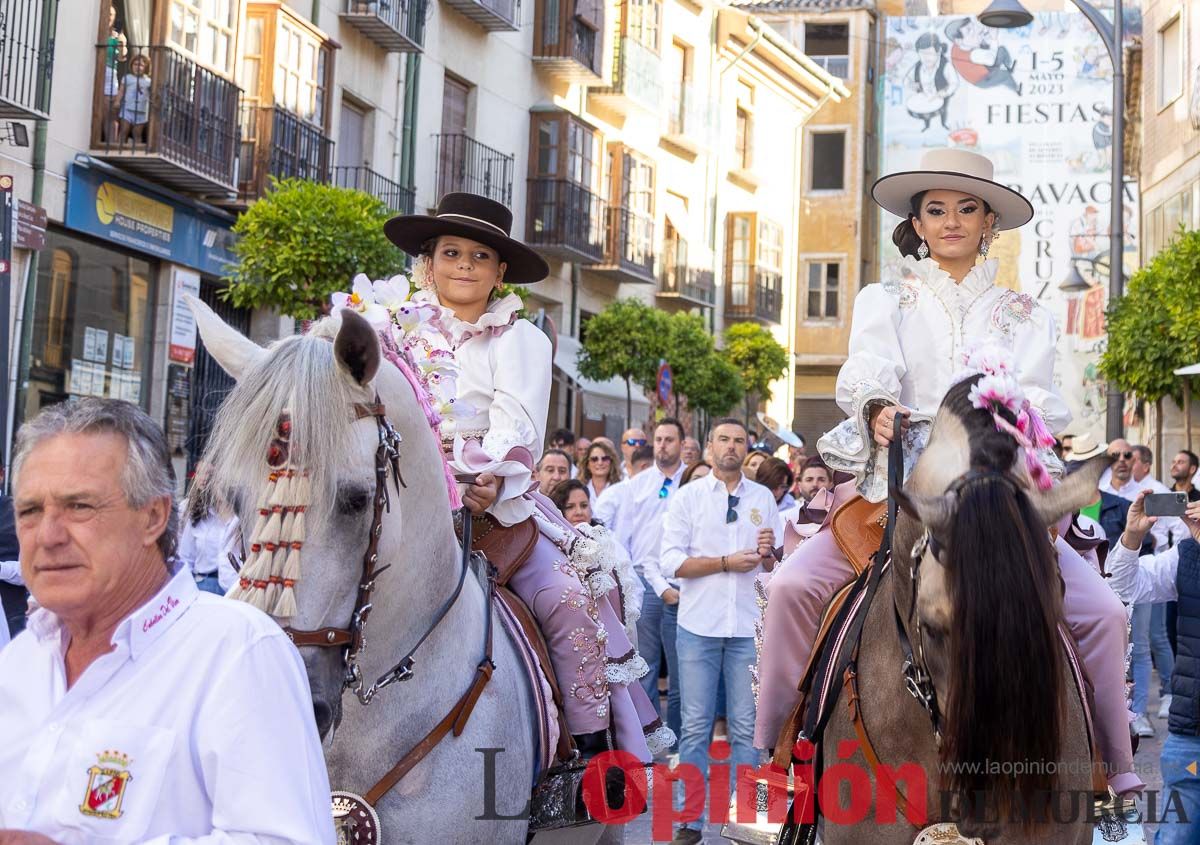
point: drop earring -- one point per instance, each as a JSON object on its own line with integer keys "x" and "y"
{"x": 984, "y": 245}
{"x": 923, "y": 251}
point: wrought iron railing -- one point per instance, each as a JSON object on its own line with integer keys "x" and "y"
{"x": 565, "y": 216}
{"x": 464, "y": 164}
{"x": 405, "y": 17}
{"x": 571, "y": 39}
{"x": 763, "y": 300}
{"x": 630, "y": 241}
{"x": 694, "y": 283}
{"x": 282, "y": 145}
{"x": 394, "y": 195}
{"x": 637, "y": 72}
{"x": 26, "y": 57}
{"x": 156, "y": 100}
{"x": 492, "y": 15}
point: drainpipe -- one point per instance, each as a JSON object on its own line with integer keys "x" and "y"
{"x": 316, "y": 12}
{"x": 573, "y": 322}
{"x": 408, "y": 153}
{"x": 715, "y": 170}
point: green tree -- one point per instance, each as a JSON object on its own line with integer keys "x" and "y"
{"x": 303, "y": 241}
{"x": 1155, "y": 327}
{"x": 626, "y": 340}
{"x": 760, "y": 359}
{"x": 689, "y": 345}
{"x": 718, "y": 386}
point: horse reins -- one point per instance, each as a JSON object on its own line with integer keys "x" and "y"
{"x": 353, "y": 638}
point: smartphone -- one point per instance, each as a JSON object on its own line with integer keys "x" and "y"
{"x": 1166, "y": 504}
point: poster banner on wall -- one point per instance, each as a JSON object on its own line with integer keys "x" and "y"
{"x": 183, "y": 325}
{"x": 1038, "y": 102}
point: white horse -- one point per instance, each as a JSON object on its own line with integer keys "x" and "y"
{"x": 461, "y": 791}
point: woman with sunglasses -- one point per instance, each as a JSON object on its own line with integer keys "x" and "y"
{"x": 909, "y": 341}
{"x": 599, "y": 468}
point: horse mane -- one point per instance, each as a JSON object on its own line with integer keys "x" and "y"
{"x": 1004, "y": 648}
{"x": 315, "y": 394}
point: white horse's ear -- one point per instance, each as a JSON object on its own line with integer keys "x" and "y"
{"x": 356, "y": 348}
{"x": 235, "y": 352}
{"x": 1077, "y": 490}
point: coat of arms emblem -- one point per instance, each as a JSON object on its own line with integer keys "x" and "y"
{"x": 756, "y": 517}
{"x": 106, "y": 785}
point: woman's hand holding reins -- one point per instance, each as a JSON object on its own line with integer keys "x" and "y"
{"x": 482, "y": 494}
{"x": 882, "y": 422}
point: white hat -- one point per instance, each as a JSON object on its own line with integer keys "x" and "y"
{"x": 1084, "y": 446}
{"x": 953, "y": 170}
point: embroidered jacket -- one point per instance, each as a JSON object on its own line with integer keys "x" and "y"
{"x": 907, "y": 340}
{"x": 504, "y": 377}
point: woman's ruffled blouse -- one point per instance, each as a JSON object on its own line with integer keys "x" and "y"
{"x": 907, "y": 340}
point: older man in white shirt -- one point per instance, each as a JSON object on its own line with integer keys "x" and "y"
{"x": 719, "y": 533}
{"x": 136, "y": 708}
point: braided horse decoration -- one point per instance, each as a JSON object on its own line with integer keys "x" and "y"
{"x": 309, "y": 449}
{"x": 962, "y": 656}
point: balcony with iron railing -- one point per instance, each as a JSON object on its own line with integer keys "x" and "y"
{"x": 628, "y": 246}
{"x": 26, "y": 57}
{"x": 684, "y": 282}
{"x": 278, "y": 144}
{"x": 158, "y": 113}
{"x": 395, "y": 196}
{"x": 397, "y": 26}
{"x": 464, "y": 164}
{"x": 565, "y": 221}
{"x": 564, "y": 45}
{"x": 761, "y": 300}
{"x": 636, "y": 79}
{"x": 491, "y": 15}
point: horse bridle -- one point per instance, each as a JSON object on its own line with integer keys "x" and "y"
{"x": 353, "y": 638}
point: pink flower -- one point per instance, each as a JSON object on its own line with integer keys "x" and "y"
{"x": 993, "y": 392}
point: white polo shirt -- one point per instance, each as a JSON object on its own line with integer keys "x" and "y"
{"x": 196, "y": 728}
{"x": 722, "y": 604}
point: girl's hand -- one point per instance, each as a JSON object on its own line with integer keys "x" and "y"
{"x": 483, "y": 493}
{"x": 882, "y": 422}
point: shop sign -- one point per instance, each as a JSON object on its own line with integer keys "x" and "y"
{"x": 127, "y": 214}
{"x": 30, "y": 228}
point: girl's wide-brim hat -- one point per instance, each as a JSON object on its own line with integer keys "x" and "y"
{"x": 475, "y": 217}
{"x": 953, "y": 170}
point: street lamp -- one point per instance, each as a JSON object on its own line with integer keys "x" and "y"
{"x": 1074, "y": 282}
{"x": 1008, "y": 14}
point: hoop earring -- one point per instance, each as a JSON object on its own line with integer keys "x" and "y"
{"x": 923, "y": 251}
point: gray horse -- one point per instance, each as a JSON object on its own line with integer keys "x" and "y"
{"x": 469, "y": 787}
{"x": 981, "y": 605}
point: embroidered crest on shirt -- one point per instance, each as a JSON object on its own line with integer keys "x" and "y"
{"x": 1012, "y": 309}
{"x": 756, "y": 517}
{"x": 106, "y": 785}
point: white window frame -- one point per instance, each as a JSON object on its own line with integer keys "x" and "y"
{"x": 807, "y": 259}
{"x": 843, "y": 128}
{"x": 1162, "y": 101}
{"x": 803, "y": 38}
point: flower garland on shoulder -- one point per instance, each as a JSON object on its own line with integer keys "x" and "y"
{"x": 998, "y": 390}
{"x": 412, "y": 331}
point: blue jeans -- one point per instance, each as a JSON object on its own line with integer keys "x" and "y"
{"x": 703, "y": 661}
{"x": 209, "y": 584}
{"x": 656, "y": 636}
{"x": 1179, "y": 752}
{"x": 1150, "y": 636}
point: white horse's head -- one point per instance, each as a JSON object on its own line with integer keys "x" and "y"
{"x": 315, "y": 381}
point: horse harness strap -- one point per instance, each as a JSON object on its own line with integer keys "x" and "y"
{"x": 849, "y": 681}
{"x": 353, "y": 638}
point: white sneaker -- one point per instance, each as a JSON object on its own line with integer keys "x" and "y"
{"x": 1164, "y": 707}
{"x": 1141, "y": 726}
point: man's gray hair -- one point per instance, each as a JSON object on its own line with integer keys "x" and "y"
{"x": 148, "y": 473}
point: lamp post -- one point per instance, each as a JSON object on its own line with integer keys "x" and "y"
{"x": 1008, "y": 14}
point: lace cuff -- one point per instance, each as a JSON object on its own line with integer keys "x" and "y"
{"x": 849, "y": 447}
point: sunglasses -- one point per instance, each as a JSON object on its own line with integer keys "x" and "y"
{"x": 1122, "y": 455}
{"x": 635, "y": 441}
{"x": 665, "y": 490}
{"x": 730, "y": 512}
{"x": 600, "y": 459}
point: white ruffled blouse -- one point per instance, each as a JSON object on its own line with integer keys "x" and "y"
{"x": 907, "y": 340}
{"x": 504, "y": 377}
